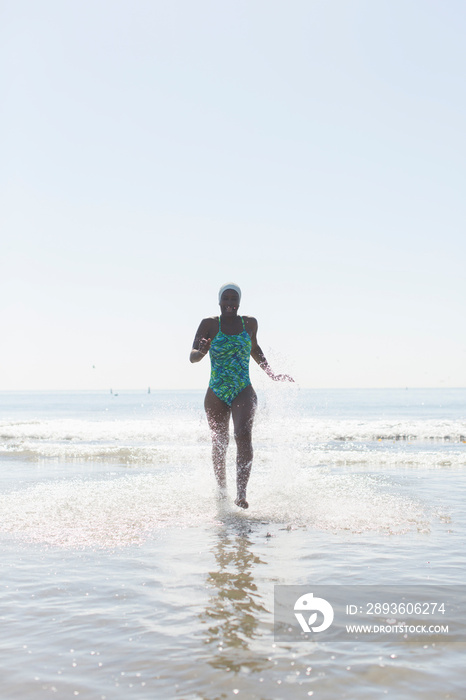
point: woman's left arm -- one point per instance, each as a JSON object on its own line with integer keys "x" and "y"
{"x": 258, "y": 355}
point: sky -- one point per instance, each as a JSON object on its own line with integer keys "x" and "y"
{"x": 312, "y": 151}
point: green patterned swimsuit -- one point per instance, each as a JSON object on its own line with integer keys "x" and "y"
{"x": 229, "y": 358}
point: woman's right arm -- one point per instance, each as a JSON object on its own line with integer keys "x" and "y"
{"x": 201, "y": 342}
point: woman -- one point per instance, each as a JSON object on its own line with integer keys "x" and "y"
{"x": 231, "y": 339}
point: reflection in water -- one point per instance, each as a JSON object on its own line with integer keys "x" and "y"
{"x": 235, "y": 609}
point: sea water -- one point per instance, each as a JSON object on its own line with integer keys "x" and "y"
{"x": 124, "y": 576}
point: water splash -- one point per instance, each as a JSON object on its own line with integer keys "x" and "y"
{"x": 127, "y": 509}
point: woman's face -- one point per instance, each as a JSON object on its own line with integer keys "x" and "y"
{"x": 229, "y": 302}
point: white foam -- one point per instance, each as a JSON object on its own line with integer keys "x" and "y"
{"x": 168, "y": 437}
{"x": 324, "y": 500}
{"x": 103, "y": 512}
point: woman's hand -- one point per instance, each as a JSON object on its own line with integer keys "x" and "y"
{"x": 201, "y": 342}
{"x": 204, "y": 345}
{"x": 281, "y": 377}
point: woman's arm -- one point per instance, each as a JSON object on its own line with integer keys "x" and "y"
{"x": 201, "y": 342}
{"x": 259, "y": 357}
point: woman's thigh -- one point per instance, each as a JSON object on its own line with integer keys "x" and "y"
{"x": 217, "y": 411}
{"x": 243, "y": 409}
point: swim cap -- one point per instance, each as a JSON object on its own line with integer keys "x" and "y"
{"x": 230, "y": 285}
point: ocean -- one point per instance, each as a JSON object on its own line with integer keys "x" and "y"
{"x": 124, "y": 576}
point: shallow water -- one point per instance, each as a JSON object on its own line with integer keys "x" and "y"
{"x": 123, "y": 576}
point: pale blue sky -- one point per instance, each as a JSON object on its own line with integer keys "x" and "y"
{"x": 311, "y": 151}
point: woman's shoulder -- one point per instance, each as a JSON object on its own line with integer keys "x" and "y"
{"x": 250, "y": 322}
{"x": 209, "y": 323}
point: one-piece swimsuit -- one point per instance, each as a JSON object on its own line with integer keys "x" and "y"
{"x": 229, "y": 358}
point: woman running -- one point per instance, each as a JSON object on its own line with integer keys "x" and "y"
{"x": 231, "y": 340}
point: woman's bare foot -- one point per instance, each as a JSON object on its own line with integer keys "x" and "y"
{"x": 242, "y": 503}
{"x": 222, "y": 493}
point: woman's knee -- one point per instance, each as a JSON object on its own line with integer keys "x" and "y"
{"x": 243, "y": 434}
{"x": 220, "y": 440}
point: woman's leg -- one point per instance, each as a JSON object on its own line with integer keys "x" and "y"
{"x": 218, "y": 417}
{"x": 242, "y": 411}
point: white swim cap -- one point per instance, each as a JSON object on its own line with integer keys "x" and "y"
{"x": 230, "y": 285}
